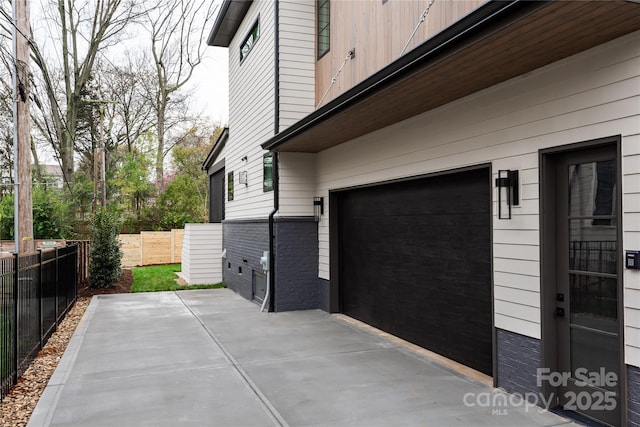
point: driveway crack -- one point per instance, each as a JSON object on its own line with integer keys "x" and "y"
{"x": 273, "y": 413}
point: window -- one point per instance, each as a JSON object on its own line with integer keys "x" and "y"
{"x": 250, "y": 40}
{"x": 323, "y": 27}
{"x": 230, "y": 186}
{"x": 267, "y": 172}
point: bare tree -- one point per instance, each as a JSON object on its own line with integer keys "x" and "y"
{"x": 177, "y": 29}
{"x": 127, "y": 84}
{"x": 86, "y": 29}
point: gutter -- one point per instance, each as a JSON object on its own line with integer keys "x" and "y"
{"x": 218, "y": 22}
{"x": 447, "y": 40}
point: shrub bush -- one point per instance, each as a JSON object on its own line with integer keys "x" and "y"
{"x": 51, "y": 217}
{"x": 106, "y": 255}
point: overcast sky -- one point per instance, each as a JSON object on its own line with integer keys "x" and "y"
{"x": 211, "y": 84}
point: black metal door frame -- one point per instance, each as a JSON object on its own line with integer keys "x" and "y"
{"x": 549, "y": 180}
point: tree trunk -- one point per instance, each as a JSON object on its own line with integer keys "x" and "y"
{"x": 160, "y": 148}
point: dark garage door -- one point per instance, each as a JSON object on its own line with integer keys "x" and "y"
{"x": 415, "y": 260}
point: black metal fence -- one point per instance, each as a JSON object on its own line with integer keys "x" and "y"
{"x": 594, "y": 255}
{"x": 36, "y": 291}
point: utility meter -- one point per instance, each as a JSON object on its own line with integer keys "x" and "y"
{"x": 264, "y": 260}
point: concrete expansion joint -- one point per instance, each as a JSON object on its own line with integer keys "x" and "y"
{"x": 148, "y": 374}
{"x": 309, "y": 357}
{"x": 273, "y": 413}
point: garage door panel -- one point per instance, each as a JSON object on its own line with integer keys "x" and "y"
{"x": 415, "y": 261}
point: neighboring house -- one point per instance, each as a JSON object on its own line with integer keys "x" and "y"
{"x": 478, "y": 195}
{"x": 52, "y": 176}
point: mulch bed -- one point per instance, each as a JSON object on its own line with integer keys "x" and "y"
{"x": 123, "y": 286}
{"x": 17, "y": 406}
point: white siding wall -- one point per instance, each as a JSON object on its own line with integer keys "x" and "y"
{"x": 297, "y": 60}
{"x": 297, "y": 184}
{"x": 251, "y": 113}
{"x": 202, "y": 254}
{"x": 591, "y": 95}
{"x": 252, "y": 95}
{"x": 631, "y": 228}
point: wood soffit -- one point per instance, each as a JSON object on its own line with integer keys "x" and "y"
{"x": 548, "y": 33}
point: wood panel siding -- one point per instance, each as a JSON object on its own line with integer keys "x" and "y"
{"x": 592, "y": 94}
{"x": 449, "y": 69}
{"x": 378, "y": 31}
{"x": 251, "y": 112}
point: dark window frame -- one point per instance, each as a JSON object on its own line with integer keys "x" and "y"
{"x": 254, "y": 36}
{"x": 267, "y": 172}
{"x": 323, "y": 29}
{"x": 230, "y": 192}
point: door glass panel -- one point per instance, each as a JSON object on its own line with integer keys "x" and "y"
{"x": 592, "y": 247}
{"x": 594, "y": 352}
{"x": 592, "y": 190}
{"x": 594, "y": 302}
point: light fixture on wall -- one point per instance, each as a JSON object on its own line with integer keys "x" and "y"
{"x": 318, "y": 208}
{"x": 507, "y": 182}
{"x": 242, "y": 178}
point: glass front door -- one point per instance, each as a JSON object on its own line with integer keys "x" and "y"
{"x": 587, "y": 284}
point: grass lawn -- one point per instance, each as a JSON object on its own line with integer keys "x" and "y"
{"x": 162, "y": 278}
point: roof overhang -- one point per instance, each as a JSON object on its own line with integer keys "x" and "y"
{"x": 216, "y": 149}
{"x": 231, "y": 14}
{"x": 498, "y": 41}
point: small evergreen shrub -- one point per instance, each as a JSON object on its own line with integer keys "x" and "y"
{"x": 105, "y": 254}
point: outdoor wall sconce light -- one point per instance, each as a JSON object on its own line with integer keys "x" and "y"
{"x": 318, "y": 208}
{"x": 242, "y": 178}
{"x": 507, "y": 180}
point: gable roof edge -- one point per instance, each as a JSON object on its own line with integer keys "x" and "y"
{"x": 228, "y": 20}
{"x": 216, "y": 149}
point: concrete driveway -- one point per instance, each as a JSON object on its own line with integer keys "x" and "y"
{"x": 210, "y": 358}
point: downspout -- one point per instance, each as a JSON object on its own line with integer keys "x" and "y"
{"x": 272, "y": 262}
{"x": 276, "y": 185}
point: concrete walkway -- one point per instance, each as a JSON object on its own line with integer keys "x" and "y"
{"x": 210, "y": 358}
